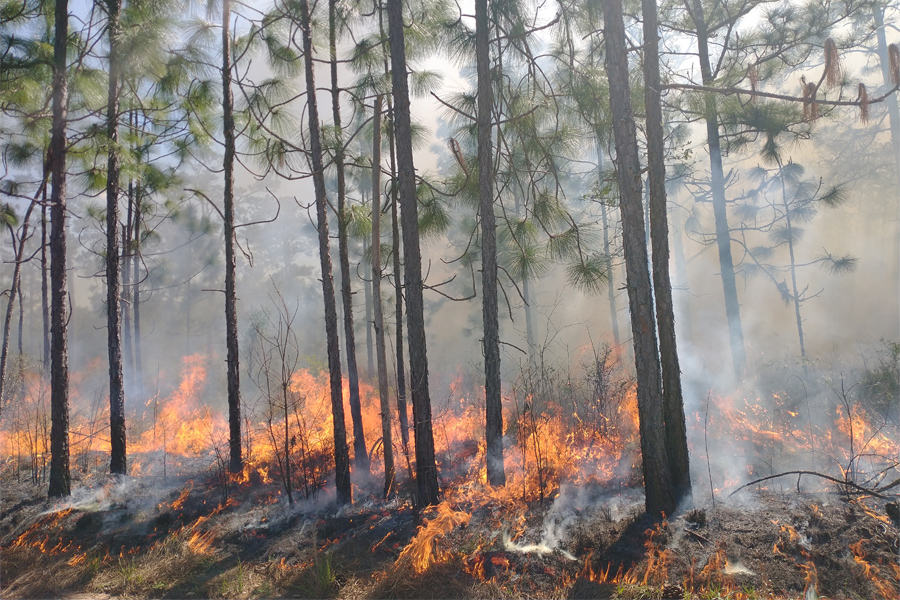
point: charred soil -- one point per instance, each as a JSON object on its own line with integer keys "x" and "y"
{"x": 146, "y": 538}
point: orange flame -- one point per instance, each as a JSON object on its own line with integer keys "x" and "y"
{"x": 423, "y": 551}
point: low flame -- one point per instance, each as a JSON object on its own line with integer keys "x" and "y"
{"x": 423, "y": 550}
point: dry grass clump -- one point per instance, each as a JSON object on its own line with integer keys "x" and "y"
{"x": 27, "y": 572}
{"x": 167, "y": 566}
{"x": 441, "y": 580}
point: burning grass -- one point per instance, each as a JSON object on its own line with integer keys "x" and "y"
{"x": 568, "y": 524}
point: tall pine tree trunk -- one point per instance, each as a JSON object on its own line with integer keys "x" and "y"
{"x": 360, "y": 453}
{"x": 426, "y": 469}
{"x": 235, "y": 463}
{"x": 45, "y": 286}
{"x": 402, "y": 410}
{"x": 493, "y": 403}
{"x": 136, "y": 291}
{"x": 341, "y": 452}
{"x": 723, "y": 233}
{"x": 657, "y": 483}
{"x": 673, "y": 403}
{"x": 118, "y": 458}
{"x": 60, "y": 483}
{"x": 687, "y": 327}
{"x": 610, "y": 277}
{"x": 370, "y": 343}
{"x": 387, "y": 443}
{"x": 15, "y": 288}
{"x": 890, "y": 101}
{"x": 124, "y": 308}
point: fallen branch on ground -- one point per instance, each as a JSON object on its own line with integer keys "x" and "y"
{"x": 849, "y": 484}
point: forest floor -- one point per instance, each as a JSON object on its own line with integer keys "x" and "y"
{"x": 148, "y": 538}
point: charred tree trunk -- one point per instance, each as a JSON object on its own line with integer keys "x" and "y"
{"x": 493, "y": 403}
{"x": 118, "y": 453}
{"x": 389, "y": 472}
{"x": 235, "y": 463}
{"x": 657, "y": 482}
{"x": 426, "y": 470}
{"x": 360, "y": 453}
{"x": 60, "y": 483}
{"x": 673, "y": 403}
{"x": 341, "y": 452}
{"x": 723, "y": 233}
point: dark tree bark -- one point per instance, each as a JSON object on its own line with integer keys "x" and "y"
{"x": 45, "y": 287}
{"x": 673, "y": 403}
{"x": 657, "y": 482}
{"x": 60, "y": 483}
{"x": 118, "y": 452}
{"x": 341, "y": 452}
{"x": 360, "y": 453}
{"x": 402, "y": 410}
{"x": 723, "y": 233}
{"x": 426, "y": 470}
{"x": 491, "y": 342}
{"x": 235, "y": 463}
{"x": 387, "y": 443}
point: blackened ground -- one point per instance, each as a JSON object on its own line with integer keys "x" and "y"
{"x": 144, "y": 538}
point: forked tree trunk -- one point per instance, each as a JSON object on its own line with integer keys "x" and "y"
{"x": 118, "y": 458}
{"x": 360, "y": 453}
{"x": 341, "y": 452}
{"x": 673, "y": 403}
{"x": 390, "y": 485}
{"x": 235, "y": 463}
{"x": 426, "y": 470}
{"x": 491, "y": 343}
{"x": 657, "y": 483}
{"x": 60, "y": 483}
